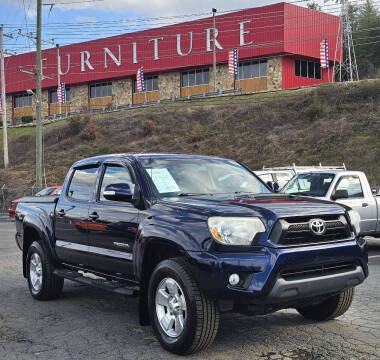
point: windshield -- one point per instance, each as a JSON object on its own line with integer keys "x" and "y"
{"x": 312, "y": 184}
{"x": 181, "y": 177}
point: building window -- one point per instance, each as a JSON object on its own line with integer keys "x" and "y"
{"x": 101, "y": 90}
{"x": 308, "y": 69}
{"x": 151, "y": 83}
{"x": 53, "y": 98}
{"x": 21, "y": 101}
{"x": 195, "y": 77}
{"x": 252, "y": 69}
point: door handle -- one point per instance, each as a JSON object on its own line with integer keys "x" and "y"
{"x": 94, "y": 216}
{"x": 365, "y": 204}
{"x": 61, "y": 213}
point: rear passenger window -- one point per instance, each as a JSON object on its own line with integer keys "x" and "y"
{"x": 352, "y": 185}
{"x": 82, "y": 183}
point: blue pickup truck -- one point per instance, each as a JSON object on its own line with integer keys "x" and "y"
{"x": 192, "y": 237}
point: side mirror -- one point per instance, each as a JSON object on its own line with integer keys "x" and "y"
{"x": 339, "y": 194}
{"x": 375, "y": 191}
{"x": 118, "y": 192}
{"x": 273, "y": 186}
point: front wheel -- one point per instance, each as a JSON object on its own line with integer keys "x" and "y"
{"x": 184, "y": 319}
{"x": 330, "y": 308}
{"x": 43, "y": 284}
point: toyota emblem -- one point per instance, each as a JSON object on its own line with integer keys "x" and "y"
{"x": 317, "y": 226}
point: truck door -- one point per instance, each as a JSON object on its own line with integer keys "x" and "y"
{"x": 114, "y": 225}
{"x": 357, "y": 200}
{"x": 71, "y": 216}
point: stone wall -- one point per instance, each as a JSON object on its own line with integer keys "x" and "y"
{"x": 45, "y": 103}
{"x": 9, "y": 102}
{"x": 79, "y": 97}
{"x": 122, "y": 92}
{"x": 224, "y": 80}
{"x": 274, "y": 73}
{"x": 169, "y": 85}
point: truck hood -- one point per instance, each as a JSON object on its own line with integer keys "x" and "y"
{"x": 267, "y": 205}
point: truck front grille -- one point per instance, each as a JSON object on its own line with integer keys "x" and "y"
{"x": 317, "y": 270}
{"x": 289, "y": 232}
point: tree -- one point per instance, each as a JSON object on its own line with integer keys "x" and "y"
{"x": 314, "y": 6}
{"x": 366, "y": 38}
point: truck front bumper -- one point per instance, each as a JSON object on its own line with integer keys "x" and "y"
{"x": 272, "y": 275}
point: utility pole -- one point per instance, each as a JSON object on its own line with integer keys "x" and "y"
{"x": 214, "y": 47}
{"x": 348, "y": 69}
{"x": 59, "y": 78}
{"x": 38, "y": 95}
{"x": 3, "y": 97}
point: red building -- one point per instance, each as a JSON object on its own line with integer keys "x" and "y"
{"x": 278, "y": 46}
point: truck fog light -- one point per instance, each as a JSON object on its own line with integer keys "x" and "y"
{"x": 234, "y": 279}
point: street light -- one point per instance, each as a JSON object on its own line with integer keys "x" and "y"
{"x": 31, "y": 92}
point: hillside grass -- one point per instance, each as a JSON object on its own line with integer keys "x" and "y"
{"x": 330, "y": 124}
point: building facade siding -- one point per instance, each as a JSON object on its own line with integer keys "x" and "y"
{"x": 278, "y": 34}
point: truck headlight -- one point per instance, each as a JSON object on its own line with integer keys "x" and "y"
{"x": 235, "y": 230}
{"x": 355, "y": 220}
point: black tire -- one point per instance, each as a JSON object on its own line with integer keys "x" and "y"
{"x": 330, "y": 308}
{"x": 202, "y": 314}
{"x": 52, "y": 285}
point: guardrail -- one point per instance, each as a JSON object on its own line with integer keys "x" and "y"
{"x": 130, "y": 106}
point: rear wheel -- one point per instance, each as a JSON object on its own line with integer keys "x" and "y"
{"x": 330, "y": 308}
{"x": 43, "y": 284}
{"x": 184, "y": 319}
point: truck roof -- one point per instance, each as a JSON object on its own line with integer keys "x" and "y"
{"x": 94, "y": 159}
{"x": 335, "y": 172}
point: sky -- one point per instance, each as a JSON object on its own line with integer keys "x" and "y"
{"x": 71, "y": 21}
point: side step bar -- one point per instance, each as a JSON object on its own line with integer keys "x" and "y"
{"x": 104, "y": 284}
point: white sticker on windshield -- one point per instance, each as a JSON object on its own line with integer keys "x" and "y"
{"x": 163, "y": 180}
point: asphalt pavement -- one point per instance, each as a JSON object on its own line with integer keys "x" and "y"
{"x": 87, "y": 323}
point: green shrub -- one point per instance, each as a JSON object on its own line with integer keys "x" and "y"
{"x": 75, "y": 125}
{"x": 315, "y": 109}
{"x": 148, "y": 127}
{"x": 90, "y": 130}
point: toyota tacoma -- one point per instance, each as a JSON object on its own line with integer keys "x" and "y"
{"x": 192, "y": 237}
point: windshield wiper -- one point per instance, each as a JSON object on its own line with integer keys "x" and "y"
{"x": 244, "y": 192}
{"x": 191, "y": 194}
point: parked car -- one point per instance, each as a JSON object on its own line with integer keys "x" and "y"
{"x": 51, "y": 190}
{"x": 282, "y": 175}
{"x": 192, "y": 236}
{"x": 350, "y": 188}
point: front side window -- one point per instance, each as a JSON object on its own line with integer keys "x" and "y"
{"x": 252, "y": 69}
{"x": 82, "y": 183}
{"x": 115, "y": 175}
{"x": 312, "y": 184}
{"x": 308, "y": 69}
{"x": 24, "y": 100}
{"x": 183, "y": 176}
{"x": 151, "y": 83}
{"x": 352, "y": 185}
{"x": 195, "y": 77}
{"x": 101, "y": 90}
